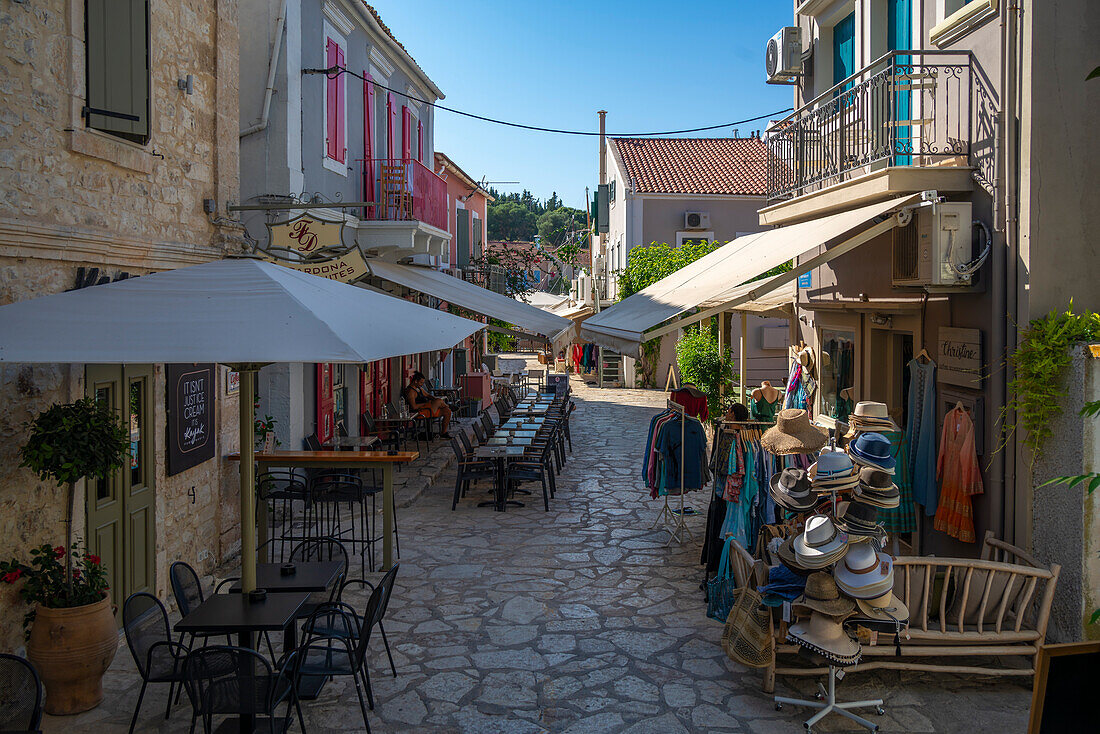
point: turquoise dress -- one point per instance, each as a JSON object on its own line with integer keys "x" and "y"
{"x": 920, "y": 434}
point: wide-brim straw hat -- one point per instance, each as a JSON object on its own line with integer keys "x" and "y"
{"x": 865, "y": 572}
{"x": 885, "y": 608}
{"x": 820, "y": 544}
{"x": 825, "y": 635}
{"x": 746, "y": 637}
{"x": 793, "y": 433}
{"x": 822, "y": 595}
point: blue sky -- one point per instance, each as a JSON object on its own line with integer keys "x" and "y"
{"x": 652, "y": 65}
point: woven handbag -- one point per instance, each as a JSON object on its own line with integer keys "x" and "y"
{"x": 720, "y": 588}
{"x": 747, "y": 637}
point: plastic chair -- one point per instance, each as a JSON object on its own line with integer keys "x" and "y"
{"x": 227, "y": 680}
{"x": 20, "y": 695}
{"x": 159, "y": 659}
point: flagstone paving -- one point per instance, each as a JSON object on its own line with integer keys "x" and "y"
{"x": 578, "y": 620}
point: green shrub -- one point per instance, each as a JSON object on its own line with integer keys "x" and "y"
{"x": 702, "y": 364}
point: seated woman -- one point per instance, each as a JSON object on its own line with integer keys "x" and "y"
{"x": 425, "y": 404}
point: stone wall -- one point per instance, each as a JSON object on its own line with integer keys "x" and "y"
{"x": 1066, "y": 520}
{"x": 74, "y": 197}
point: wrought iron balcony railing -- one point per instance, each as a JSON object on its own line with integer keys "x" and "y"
{"x": 406, "y": 190}
{"x": 908, "y": 108}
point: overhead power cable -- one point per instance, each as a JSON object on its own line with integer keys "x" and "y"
{"x": 333, "y": 71}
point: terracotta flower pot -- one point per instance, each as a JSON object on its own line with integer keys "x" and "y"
{"x": 72, "y": 649}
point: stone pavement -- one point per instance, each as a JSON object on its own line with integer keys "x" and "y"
{"x": 577, "y": 620}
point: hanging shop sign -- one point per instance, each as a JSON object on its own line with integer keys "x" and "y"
{"x": 959, "y": 356}
{"x": 315, "y": 246}
{"x": 191, "y": 392}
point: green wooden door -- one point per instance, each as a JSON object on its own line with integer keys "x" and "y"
{"x": 120, "y": 510}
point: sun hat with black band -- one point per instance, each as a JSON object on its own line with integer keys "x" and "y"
{"x": 821, "y": 544}
{"x": 876, "y": 487}
{"x": 821, "y": 595}
{"x": 885, "y": 608}
{"x": 791, "y": 489}
{"x": 793, "y": 433}
{"x": 858, "y": 519}
{"x": 825, "y": 635}
{"x": 873, "y": 450}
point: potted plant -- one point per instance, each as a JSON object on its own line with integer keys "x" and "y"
{"x": 71, "y": 632}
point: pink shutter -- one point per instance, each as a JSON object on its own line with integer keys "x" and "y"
{"x": 406, "y": 133}
{"x": 391, "y": 124}
{"x": 341, "y": 118}
{"x": 368, "y": 142}
{"x": 332, "y": 85}
{"x": 420, "y": 142}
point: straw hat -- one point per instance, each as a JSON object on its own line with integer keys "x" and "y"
{"x": 793, "y": 434}
{"x": 858, "y": 520}
{"x": 821, "y": 544}
{"x": 746, "y": 637}
{"x": 873, "y": 450}
{"x": 865, "y": 572}
{"x": 822, "y": 595}
{"x": 833, "y": 472}
{"x": 806, "y": 358}
{"x": 791, "y": 489}
{"x": 885, "y": 608}
{"x": 826, "y": 636}
{"x": 872, "y": 417}
{"x": 789, "y": 559}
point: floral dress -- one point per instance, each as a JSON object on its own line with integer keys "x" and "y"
{"x": 959, "y": 475}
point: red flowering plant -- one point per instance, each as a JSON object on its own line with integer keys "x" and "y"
{"x": 45, "y": 580}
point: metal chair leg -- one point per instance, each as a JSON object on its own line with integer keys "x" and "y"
{"x": 137, "y": 708}
{"x": 386, "y": 642}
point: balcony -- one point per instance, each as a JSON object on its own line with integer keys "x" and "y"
{"x": 908, "y": 110}
{"x": 412, "y": 206}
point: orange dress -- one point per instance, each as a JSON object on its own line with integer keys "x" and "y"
{"x": 959, "y": 475}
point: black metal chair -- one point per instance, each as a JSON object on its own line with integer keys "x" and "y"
{"x": 20, "y": 695}
{"x": 159, "y": 658}
{"x": 187, "y": 591}
{"x": 286, "y": 495}
{"x": 338, "y": 511}
{"x": 536, "y": 468}
{"x": 479, "y": 432}
{"x": 391, "y": 438}
{"x": 223, "y": 680}
{"x": 322, "y": 549}
{"x": 467, "y": 469}
{"x": 343, "y": 649}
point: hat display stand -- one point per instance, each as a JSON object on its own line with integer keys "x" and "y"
{"x": 826, "y": 701}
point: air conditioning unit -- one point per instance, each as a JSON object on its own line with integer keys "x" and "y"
{"x": 696, "y": 220}
{"x": 598, "y": 264}
{"x": 783, "y": 58}
{"x": 928, "y": 251}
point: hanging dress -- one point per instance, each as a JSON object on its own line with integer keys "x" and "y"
{"x": 903, "y": 518}
{"x": 959, "y": 475}
{"x": 920, "y": 433}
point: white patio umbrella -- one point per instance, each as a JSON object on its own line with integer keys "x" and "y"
{"x": 241, "y": 312}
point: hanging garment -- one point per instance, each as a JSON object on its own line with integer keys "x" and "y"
{"x": 576, "y": 357}
{"x": 695, "y": 403}
{"x": 712, "y": 542}
{"x": 735, "y": 471}
{"x": 682, "y": 440}
{"x": 920, "y": 433}
{"x": 762, "y": 410}
{"x": 903, "y": 518}
{"x": 650, "y": 459}
{"x": 959, "y": 475}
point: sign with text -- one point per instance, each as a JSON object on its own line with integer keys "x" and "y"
{"x": 305, "y": 235}
{"x": 806, "y": 280}
{"x": 191, "y": 391}
{"x": 959, "y": 356}
{"x": 347, "y": 268}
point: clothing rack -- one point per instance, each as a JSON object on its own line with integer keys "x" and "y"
{"x": 673, "y": 521}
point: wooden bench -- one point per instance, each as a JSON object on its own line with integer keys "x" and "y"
{"x": 996, "y": 605}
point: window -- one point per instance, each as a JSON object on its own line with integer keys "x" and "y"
{"x": 406, "y": 133}
{"x": 611, "y": 192}
{"x": 685, "y": 237}
{"x": 844, "y": 48}
{"x": 336, "y": 148}
{"x": 117, "y": 68}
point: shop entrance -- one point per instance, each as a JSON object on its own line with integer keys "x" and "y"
{"x": 891, "y": 351}
{"x": 120, "y": 510}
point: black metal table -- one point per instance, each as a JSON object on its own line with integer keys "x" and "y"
{"x": 237, "y": 614}
{"x": 307, "y": 576}
{"x": 499, "y": 454}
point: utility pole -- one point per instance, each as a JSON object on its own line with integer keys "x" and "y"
{"x": 595, "y": 283}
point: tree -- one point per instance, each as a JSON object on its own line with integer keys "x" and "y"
{"x": 511, "y": 221}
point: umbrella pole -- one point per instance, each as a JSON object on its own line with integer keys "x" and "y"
{"x": 248, "y": 478}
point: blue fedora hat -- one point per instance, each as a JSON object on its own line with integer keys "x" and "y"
{"x": 873, "y": 449}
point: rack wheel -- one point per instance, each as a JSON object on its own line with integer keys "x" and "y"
{"x": 819, "y": 696}
{"x": 808, "y": 729}
{"x": 880, "y": 711}
{"x": 778, "y": 707}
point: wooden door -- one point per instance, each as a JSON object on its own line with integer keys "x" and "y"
{"x": 120, "y": 510}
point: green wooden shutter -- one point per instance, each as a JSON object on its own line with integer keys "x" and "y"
{"x": 475, "y": 237}
{"x": 117, "y": 46}
{"x": 463, "y": 235}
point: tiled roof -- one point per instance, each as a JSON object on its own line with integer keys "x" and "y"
{"x": 695, "y": 165}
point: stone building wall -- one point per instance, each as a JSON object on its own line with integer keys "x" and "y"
{"x": 73, "y": 197}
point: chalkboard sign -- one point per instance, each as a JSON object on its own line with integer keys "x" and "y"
{"x": 1063, "y": 699}
{"x": 191, "y": 391}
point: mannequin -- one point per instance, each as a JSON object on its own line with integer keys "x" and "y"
{"x": 764, "y": 401}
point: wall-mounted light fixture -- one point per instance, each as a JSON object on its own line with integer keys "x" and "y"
{"x": 187, "y": 84}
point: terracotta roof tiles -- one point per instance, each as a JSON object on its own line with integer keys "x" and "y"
{"x": 731, "y": 166}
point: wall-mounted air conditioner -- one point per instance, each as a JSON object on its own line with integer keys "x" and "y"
{"x": 933, "y": 248}
{"x": 783, "y": 57}
{"x": 696, "y": 220}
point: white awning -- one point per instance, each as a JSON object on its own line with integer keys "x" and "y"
{"x": 473, "y": 297}
{"x": 706, "y": 283}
